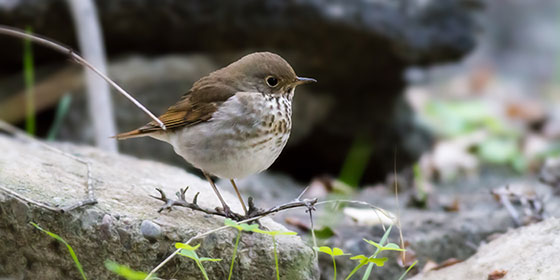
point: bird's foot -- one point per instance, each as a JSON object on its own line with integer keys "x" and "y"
{"x": 182, "y": 202}
{"x": 228, "y": 213}
{"x": 253, "y": 211}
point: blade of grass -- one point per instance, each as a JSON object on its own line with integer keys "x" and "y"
{"x": 29, "y": 80}
{"x": 125, "y": 271}
{"x": 356, "y": 160}
{"x": 61, "y": 111}
{"x": 409, "y": 268}
{"x": 276, "y": 258}
{"x": 382, "y": 242}
{"x": 234, "y": 254}
{"x": 72, "y": 253}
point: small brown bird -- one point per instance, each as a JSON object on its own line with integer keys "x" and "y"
{"x": 233, "y": 122}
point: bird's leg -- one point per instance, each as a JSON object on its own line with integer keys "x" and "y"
{"x": 227, "y": 210}
{"x": 239, "y": 196}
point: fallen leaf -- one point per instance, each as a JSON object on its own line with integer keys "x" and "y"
{"x": 453, "y": 207}
{"x": 430, "y": 265}
{"x": 408, "y": 257}
{"x": 299, "y": 224}
{"x": 446, "y": 263}
{"x": 497, "y": 274}
{"x": 369, "y": 217}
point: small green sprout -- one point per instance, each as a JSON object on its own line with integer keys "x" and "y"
{"x": 125, "y": 271}
{"x": 365, "y": 260}
{"x": 333, "y": 253}
{"x": 388, "y": 247}
{"x": 189, "y": 251}
{"x": 373, "y": 260}
{"x": 74, "y": 257}
{"x": 240, "y": 228}
{"x": 274, "y": 234}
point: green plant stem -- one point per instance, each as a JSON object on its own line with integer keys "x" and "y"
{"x": 276, "y": 259}
{"x": 29, "y": 79}
{"x": 381, "y": 242}
{"x": 61, "y": 111}
{"x": 409, "y": 268}
{"x": 202, "y": 269}
{"x": 334, "y": 266}
{"x": 70, "y": 250}
{"x": 234, "y": 255}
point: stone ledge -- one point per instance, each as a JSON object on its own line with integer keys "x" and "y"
{"x": 124, "y": 226}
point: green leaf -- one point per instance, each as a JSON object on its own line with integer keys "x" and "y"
{"x": 240, "y": 227}
{"x": 189, "y": 253}
{"x": 392, "y": 247}
{"x": 188, "y": 247}
{"x": 72, "y": 254}
{"x": 324, "y": 249}
{"x": 373, "y": 243}
{"x": 274, "y": 233}
{"x": 327, "y": 250}
{"x": 209, "y": 260}
{"x": 324, "y": 233}
{"x": 338, "y": 252}
{"x": 388, "y": 247}
{"x": 364, "y": 260}
{"x": 125, "y": 271}
{"x": 499, "y": 150}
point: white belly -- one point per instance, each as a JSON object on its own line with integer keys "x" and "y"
{"x": 234, "y": 143}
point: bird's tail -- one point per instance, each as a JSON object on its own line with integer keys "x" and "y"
{"x": 131, "y": 134}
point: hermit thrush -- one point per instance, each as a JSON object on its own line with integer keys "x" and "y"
{"x": 233, "y": 122}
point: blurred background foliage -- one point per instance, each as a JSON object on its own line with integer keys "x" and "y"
{"x": 425, "y": 97}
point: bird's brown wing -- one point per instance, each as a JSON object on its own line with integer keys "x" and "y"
{"x": 194, "y": 107}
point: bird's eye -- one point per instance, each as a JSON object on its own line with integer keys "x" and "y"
{"x": 271, "y": 81}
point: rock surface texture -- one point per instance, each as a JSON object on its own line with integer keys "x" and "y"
{"x": 524, "y": 253}
{"x": 124, "y": 226}
{"x": 358, "y": 50}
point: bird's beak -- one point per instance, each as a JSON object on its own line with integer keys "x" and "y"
{"x": 301, "y": 81}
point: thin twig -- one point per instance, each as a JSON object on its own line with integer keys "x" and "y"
{"x": 29, "y": 200}
{"x": 90, "y": 199}
{"x": 308, "y": 203}
{"x": 286, "y": 206}
{"x": 6, "y": 30}
{"x": 253, "y": 212}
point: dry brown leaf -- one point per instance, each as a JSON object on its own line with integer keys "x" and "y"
{"x": 453, "y": 207}
{"x": 497, "y": 274}
{"x": 299, "y": 224}
{"x": 408, "y": 257}
{"x": 446, "y": 263}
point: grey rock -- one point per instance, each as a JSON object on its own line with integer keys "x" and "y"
{"x": 122, "y": 187}
{"x": 550, "y": 173}
{"x": 537, "y": 244}
{"x": 433, "y": 233}
{"x": 106, "y": 227}
{"x": 150, "y": 230}
{"x": 90, "y": 218}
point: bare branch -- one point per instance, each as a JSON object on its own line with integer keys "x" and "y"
{"x": 90, "y": 198}
{"x": 78, "y": 59}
